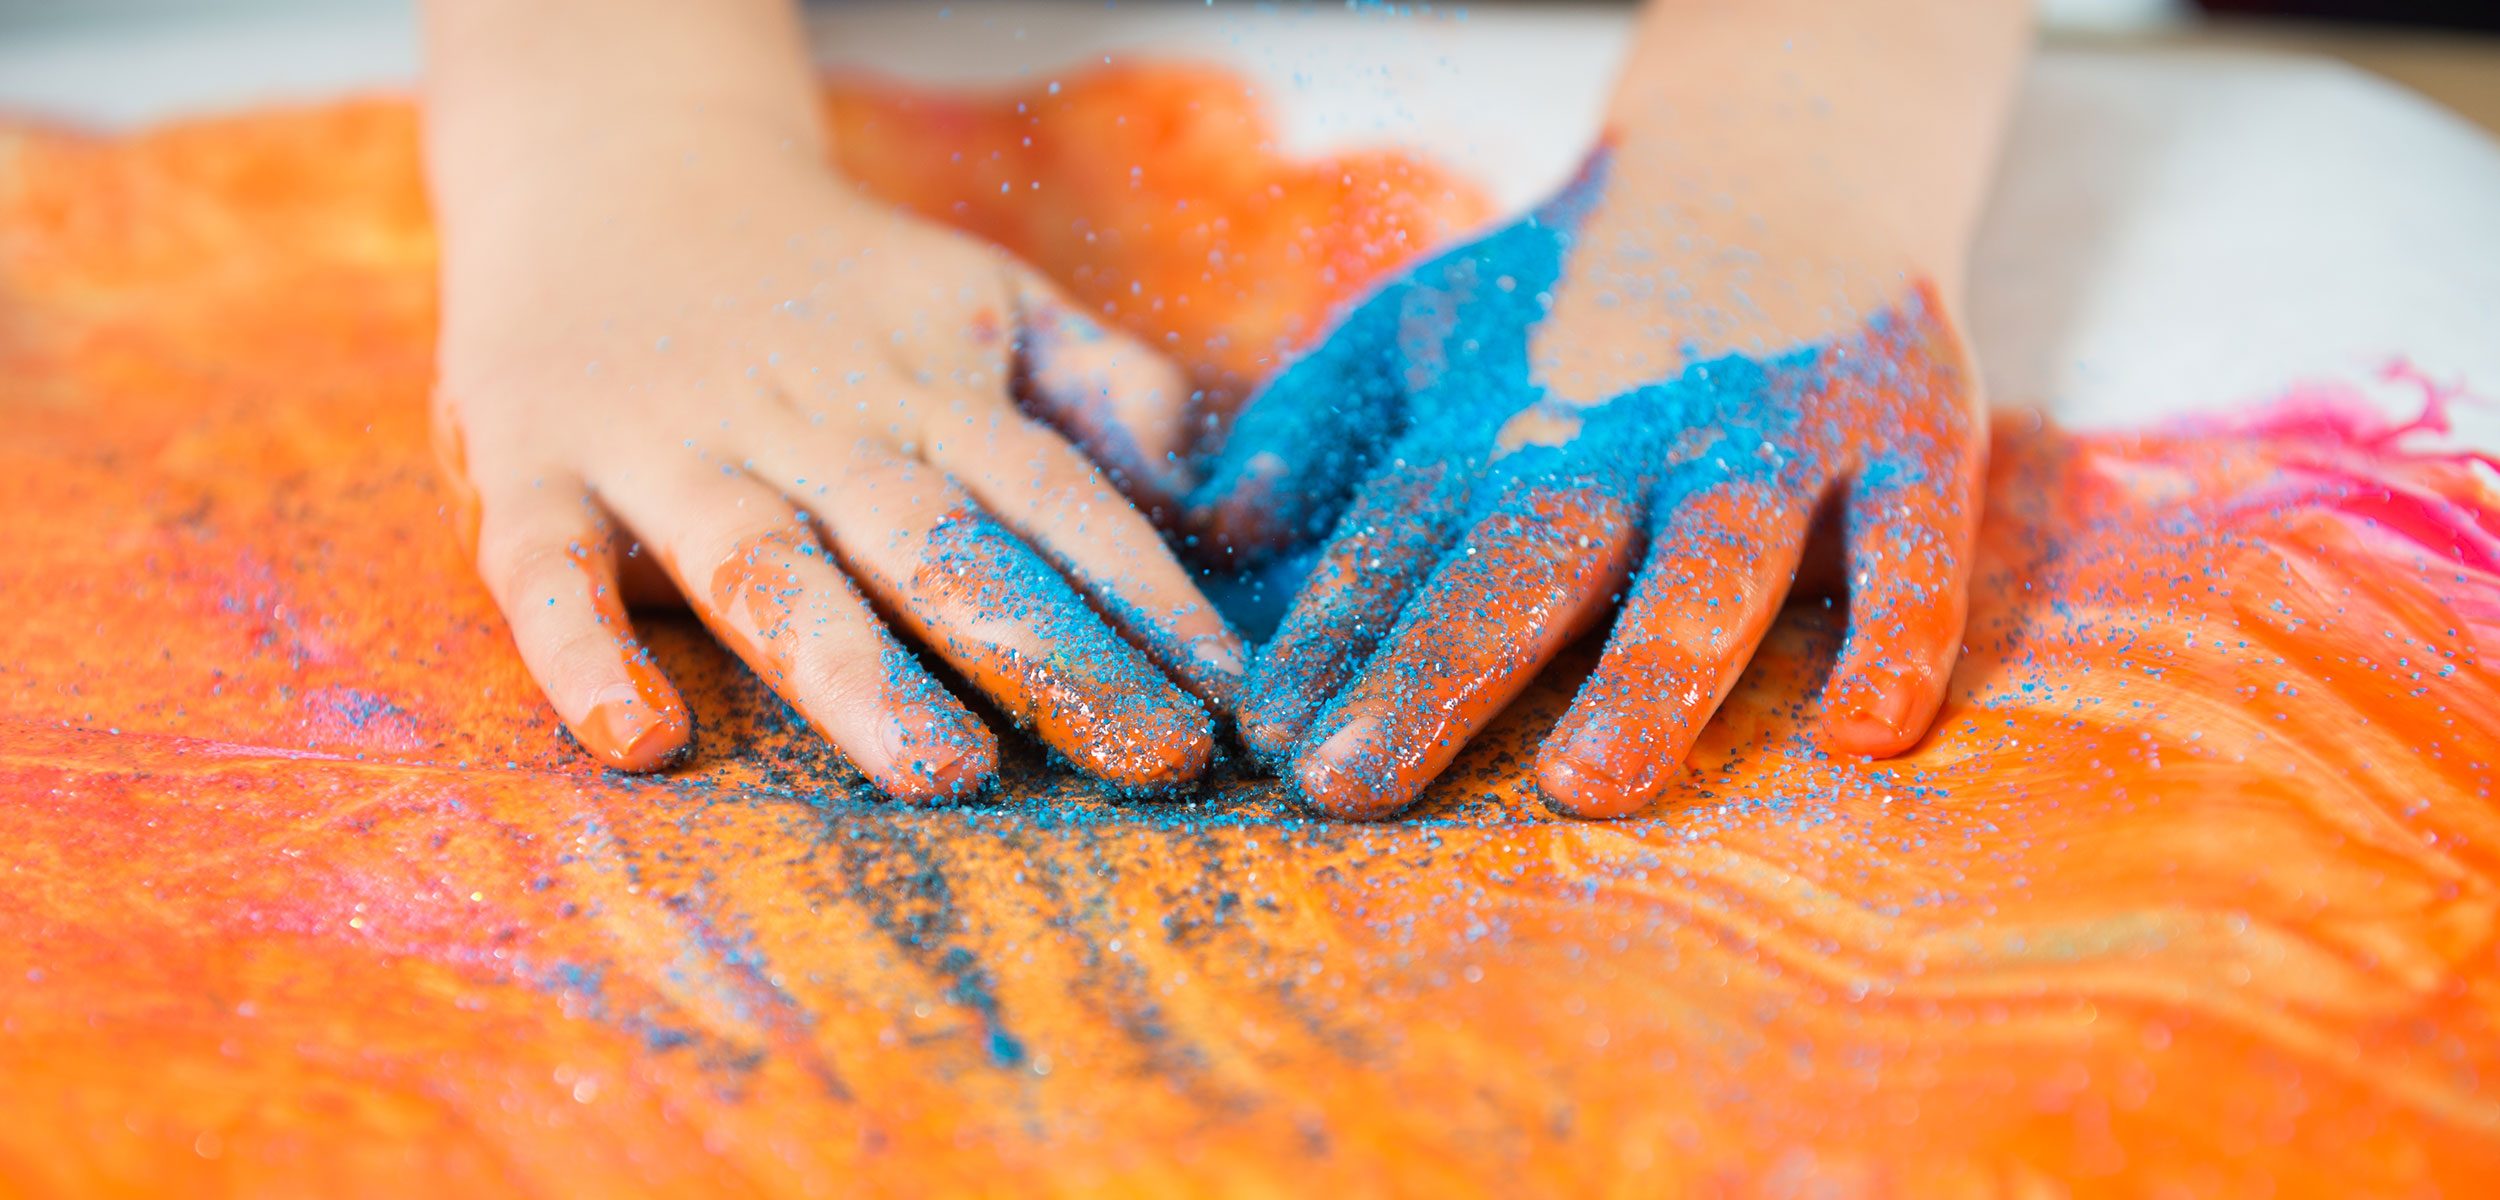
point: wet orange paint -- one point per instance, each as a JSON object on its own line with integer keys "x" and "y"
{"x": 2194, "y": 889}
{"x": 639, "y": 731}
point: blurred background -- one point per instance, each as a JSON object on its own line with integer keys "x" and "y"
{"x": 164, "y": 55}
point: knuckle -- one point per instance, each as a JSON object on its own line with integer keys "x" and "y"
{"x": 738, "y": 533}
{"x": 533, "y": 572}
{"x": 712, "y": 526}
{"x": 577, "y": 653}
{"x": 845, "y": 678}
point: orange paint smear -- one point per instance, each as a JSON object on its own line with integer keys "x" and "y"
{"x": 2195, "y": 888}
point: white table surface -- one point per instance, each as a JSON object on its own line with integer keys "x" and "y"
{"x": 2171, "y": 232}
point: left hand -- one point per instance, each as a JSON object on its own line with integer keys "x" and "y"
{"x": 1505, "y": 437}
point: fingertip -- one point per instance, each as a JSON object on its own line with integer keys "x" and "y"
{"x": 1857, "y": 735}
{"x": 636, "y": 724}
{"x": 1122, "y": 721}
{"x": 1192, "y": 645}
{"x": 1351, "y": 776}
{"x": 1275, "y": 713}
{"x": 1215, "y": 667}
{"x": 1134, "y": 730}
{"x": 1878, "y": 714}
{"x": 1147, "y": 761}
{"x": 955, "y": 766}
{"x": 1600, "y": 787}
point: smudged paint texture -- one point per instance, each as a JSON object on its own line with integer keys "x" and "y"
{"x": 2194, "y": 889}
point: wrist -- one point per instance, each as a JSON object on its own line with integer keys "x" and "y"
{"x": 1870, "y": 124}
{"x": 502, "y": 195}
{"x": 596, "y": 146}
{"x": 622, "y": 91}
{"x": 1767, "y": 215}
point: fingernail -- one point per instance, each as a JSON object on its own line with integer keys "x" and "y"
{"x": 629, "y": 731}
{"x": 1349, "y": 774}
{"x": 1580, "y": 785}
{"x": 1279, "y": 707}
{"x": 934, "y": 763}
{"x": 1875, "y": 719}
{"x": 1220, "y": 653}
{"x": 1222, "y": 670}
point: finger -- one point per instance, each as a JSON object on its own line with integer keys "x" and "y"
{"x": 1719, "y": 565}
{"x": 1911, "y": 534}
{"x": 765, "y": 586}
{"x": 1912, "y": 523}
{"x": 988, "y": 604}
{"x": 546, "y": 554}
{"x": 1126, "y": 406}
{"x": 1496, "y": 611}
{"x": 1306, "y": 439}
{"x": 451, "y": 457}
{"x": 1380, "y": 552}
{"x": 1056, "y": 501}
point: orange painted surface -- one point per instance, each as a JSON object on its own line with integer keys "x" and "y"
{"x": 2194, "y": 889}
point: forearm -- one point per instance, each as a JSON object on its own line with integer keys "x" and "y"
{"x": 515, "y": 87}
{"x": 1874, "y": 120}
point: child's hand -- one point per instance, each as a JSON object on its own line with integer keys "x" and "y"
{"x": 1658, "y": 378}
{"x": 696, "y": 348}
{"x": 1497, "y": 510}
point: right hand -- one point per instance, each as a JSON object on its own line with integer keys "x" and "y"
{"x": 710, "y": 355}
{"x": 1508, "y": 439}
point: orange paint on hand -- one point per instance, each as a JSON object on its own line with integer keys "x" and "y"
{"x": 633, "y": 723}
{"x": 1523, "y": 585}
{"x": 1386, "y": 543}
{"x": 1909, "y": 576}
{"x": 639, "y": 728}
{"x": 777, "y": 603}
{"x": 1679, "y": 647}
{"x": 996, "y": 611}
